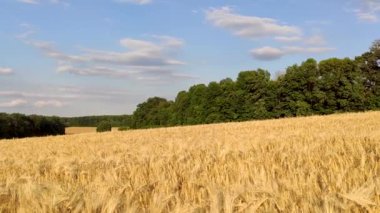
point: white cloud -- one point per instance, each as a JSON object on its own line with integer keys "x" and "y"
{"x": 249, "y": 26}
{"x": 295, "y": 49}
{"x": 253, "y": 27}
{"x": 367, "y": 10}
{"x": 63, "y": 2}
{"x": 169, "y": 41}
{"x": 28, "y": 31}
{"x": 14, "y": 103}
{"x": 49, "y": 103}
{"x": 37, "y": 94}
{"x": 267, "y": 53}
{"x": 6, "y": 71}
{"x": 141, "y": 60}
{"x": 366, "y": 16}
{"x": 141, "y": 2}
{"x": 61, "y": 96}
{"x": 141, "y": 45}
{"x": 29, "y": 1}
{"x": 288, "y": 38}
{"x": 74, "y": 100}
{"x": 95, "y": 71}
{"x": 272, "y": 53}
{"x": 316, "y": 40}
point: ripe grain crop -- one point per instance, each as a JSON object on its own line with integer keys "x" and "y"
{"x": 81, "y": 130}
{"x": 311, "y": 164}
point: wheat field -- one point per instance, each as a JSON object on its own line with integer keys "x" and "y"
{"x": 312, "y": 164}
{"x": 79, "y": 130}
{"x": 82, "y": 130}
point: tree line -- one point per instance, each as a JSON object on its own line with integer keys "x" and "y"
{"x": 311, "y": 88}
{"x": 21, "y": 126}
{"x": 94, "y": 121}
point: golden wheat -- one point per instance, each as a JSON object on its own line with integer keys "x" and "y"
{"x": 312, "y": 164}
{"x": 81, "y": 130}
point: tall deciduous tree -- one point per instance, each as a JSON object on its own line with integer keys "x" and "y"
{"x": 254, "y": 88}
{"x": 152, "y": 113}
{"x": 341, "y": 82}
{"x": 369, "y": 64}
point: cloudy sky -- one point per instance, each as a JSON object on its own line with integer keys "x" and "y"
{"x": 85, "y": 57}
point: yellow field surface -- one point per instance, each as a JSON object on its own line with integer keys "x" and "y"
{"x": 80, "y": 130}
{"x": 313, "y": 164}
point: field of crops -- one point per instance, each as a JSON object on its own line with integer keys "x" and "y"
{"x": 81, "y": 130}
{"x": 312, "y": 164}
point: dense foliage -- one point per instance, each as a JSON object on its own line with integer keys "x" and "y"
{"x": 311, "y": 88}
{"x": 104, "y": 126}
{"x": 20, "y": 126}
{"x": 93, "y": 121}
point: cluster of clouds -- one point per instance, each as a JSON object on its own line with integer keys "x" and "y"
{"x": 12, "y": 99}
{"x": 38, "y": 104}
{"x": 58, "y": 97}
{"x": 154, "y": 60}
{"x": 13, "y": 103}
{"x": 272, "y": 53}
{"x": 249, "y": 26}
{"x": 254, "y": 28}
{"x": 146, "y": 60}
{"x": 367, "y": 10}
{"x": 6, "y": 71}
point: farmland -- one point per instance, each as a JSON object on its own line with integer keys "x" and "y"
{"x": 308, "y": 164}
{"x": 81, "y": 130}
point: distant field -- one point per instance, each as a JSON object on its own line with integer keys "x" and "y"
{"x": 80, "y": 130}
{"x": 312, "y": 164}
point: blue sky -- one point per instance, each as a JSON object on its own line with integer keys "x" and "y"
{"x": 82, "y": 57}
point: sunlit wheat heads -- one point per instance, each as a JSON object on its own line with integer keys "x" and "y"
{"x": 311, "y": 164}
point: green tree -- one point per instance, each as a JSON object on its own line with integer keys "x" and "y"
{"x": 196, "y": 113}
{"x": 253, "y": 88}
{"x": 5, "y": 126}
{"x": 152, "y": 113}
{"x": 369, "y": 64}
{"x": 297, "y": 89}
{"x": 228, "y": 100}
{"x": 180, "y": 108}
{"x": 20, "y": 126}
{"x": 341, "y": 83}
{"x": 104, "y": 126}
{"x": 214, "y": 103}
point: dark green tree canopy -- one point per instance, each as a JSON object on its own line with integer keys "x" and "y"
{"x": 104, "y": 126}
{"x": 21, "y": 126}
{"x": 152, "y": 113}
